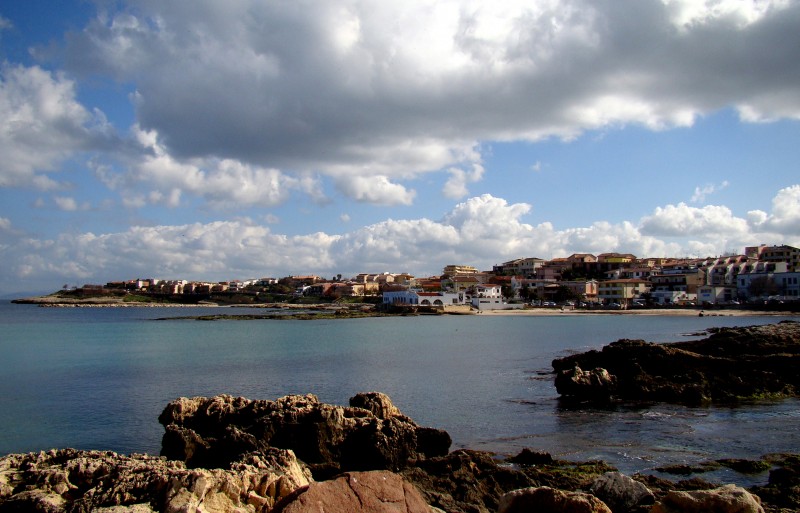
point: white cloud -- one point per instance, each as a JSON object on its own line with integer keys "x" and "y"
{"x": 42, "y": 126}
{"x": 375, "y": 189}
{"x": 684, "y": 221}
{"x": 388, "y": 91}
{"x": 742, "y": 12}
{"x": 785, "y": 216}
{"x": 156, "y": 177}
{"x": 700, "y": 193}
{"x": 456, "y": 185}
{"x": 69, "y": 204}
{"x": 480, "y": 231}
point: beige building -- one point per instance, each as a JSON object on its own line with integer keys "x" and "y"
{"x": 622, "y": 291}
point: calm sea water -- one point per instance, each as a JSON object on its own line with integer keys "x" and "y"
{"x": 97, "y": 378}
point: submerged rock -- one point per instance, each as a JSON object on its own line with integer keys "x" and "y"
{"x": 730, "y": 365}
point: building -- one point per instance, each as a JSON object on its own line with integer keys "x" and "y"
{"x": 775, "y": 254}
{"x": 761, "y": 280}
{"x": 526, "y": 267}
{"x": 459, "y": 270}
{"x": 419, "y": 298}
{"x": 716, "y": 294}
{"x": 490, "y": 297}
{"x": 678, "y": 283}
{"x": 622, "y": 291}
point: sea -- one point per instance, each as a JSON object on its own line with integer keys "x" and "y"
{"x": 97, "y": 378}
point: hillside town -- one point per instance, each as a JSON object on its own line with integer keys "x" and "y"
{"x": 610, "y": 280}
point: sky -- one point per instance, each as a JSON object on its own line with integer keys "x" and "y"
{"x": 208, "y": 140}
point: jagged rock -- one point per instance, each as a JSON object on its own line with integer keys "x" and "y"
{"x": 354, "y": 492}
{"x": 377, "y": 402}
{"x": 621, "y": 493}
{"x": 730, "y": 364}
{"x": 726, "y": 499}
{"x": 215, "y": 432}
{"x": 469, "y": 481}
{"x": 549, "y": 500}
{"x": 69, "y": 480}
{"x": 592, "y": 384}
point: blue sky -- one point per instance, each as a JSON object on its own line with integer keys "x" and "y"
{"x": 220, "y": 140}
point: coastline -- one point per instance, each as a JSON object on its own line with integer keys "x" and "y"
{"x": 361, "y": 308}
{"x": 677, "y": 312}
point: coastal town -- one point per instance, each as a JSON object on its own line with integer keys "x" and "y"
{"x": 760, "y": 275}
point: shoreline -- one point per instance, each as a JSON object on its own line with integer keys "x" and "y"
{"x": 678, "y": 312}
{"x": 57, "y": 302}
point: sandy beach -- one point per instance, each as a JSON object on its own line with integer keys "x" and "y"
{"x": 685, "y": 312}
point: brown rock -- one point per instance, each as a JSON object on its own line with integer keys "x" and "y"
{"x": 376, "y": 402}
{"x": 218, "y": 431}
{"x": 549, "y": 500}
{"x": 730, "y": 364}
{"x": 354, "y": 492}
{"x": 726, "y": 499}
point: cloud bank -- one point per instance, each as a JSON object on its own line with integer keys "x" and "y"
{"x": 480, "y": 231}
{"x": 369, "y": 96}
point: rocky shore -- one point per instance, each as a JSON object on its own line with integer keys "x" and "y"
{"x": 730, "y": 365}
{"x": 296, "y": 454}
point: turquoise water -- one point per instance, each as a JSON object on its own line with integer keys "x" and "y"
{"x": 97, "y": 378}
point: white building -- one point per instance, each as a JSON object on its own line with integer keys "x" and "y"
{"x": 416, "y": 298}
{"x": 490, "y": 297}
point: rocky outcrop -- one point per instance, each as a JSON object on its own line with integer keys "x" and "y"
{"x": 82, "y": 481}
{"x": 373, "y": 435}
{"x": 730, "y": 364}
{"x": 254, "y": 476}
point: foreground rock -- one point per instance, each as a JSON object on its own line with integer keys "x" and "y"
{"x": 81, "y": 481}
{"x": 371, "y": 434}
{"x": 253, "y": 475}
{"x": 730, "y": 365}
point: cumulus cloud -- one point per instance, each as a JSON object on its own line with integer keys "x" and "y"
{"x": 480, "y": 231}
{"x": 156, "y": 177}
{"x": 375, "y": 189}
{"x": 456, "y": 185}
{"x": 389, "y": 91}
{"x": 682, "y": 220}
{"x": 785, "y": 216}
{"x": 42, "y": 125}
